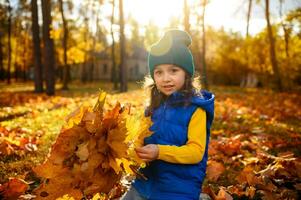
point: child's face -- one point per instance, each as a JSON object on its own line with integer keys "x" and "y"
{"x": 169, "y": 78}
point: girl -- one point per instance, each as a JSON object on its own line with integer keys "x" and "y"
{"x": 177, "y": 151}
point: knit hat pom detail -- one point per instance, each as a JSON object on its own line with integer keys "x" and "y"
{"x": 178, "y": 36}
{"x": 172, "y": 48}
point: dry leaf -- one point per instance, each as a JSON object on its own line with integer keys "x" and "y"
{"x": 214, "y": 170}
{"x": 223, "y": 195}
{"x": 13, "y": 188}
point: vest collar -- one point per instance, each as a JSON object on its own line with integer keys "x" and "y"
{"x": 175, "y": 97}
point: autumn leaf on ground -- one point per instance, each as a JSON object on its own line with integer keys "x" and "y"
{"x": 223, "y": 195}
{"x": 214, "y": 170}
{"x": 264, "y": 136}
{"x": 247, "y": 175}
{"x": 16, "y": 141}
{"x": 13, "y": 189}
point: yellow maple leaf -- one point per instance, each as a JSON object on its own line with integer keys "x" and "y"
{"x": 115, "y": 140}
{"x": 65, "y": 197}
{"x": 100, "y": 101}
{"x": 138, "y": 128}
{"x": 97, "y": 196}
{"x": 76, "y": 116}
{"x": 49, "y": 170}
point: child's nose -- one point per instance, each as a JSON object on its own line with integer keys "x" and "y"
{"x": 166, "y": 77}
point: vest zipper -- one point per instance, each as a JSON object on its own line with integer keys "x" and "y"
{"x": 164, "y": 108}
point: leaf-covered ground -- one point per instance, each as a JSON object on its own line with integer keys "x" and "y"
{"x": 255, "y": 142}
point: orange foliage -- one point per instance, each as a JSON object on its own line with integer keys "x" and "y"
{"x": 214, "y": 170}
{"x": 13, "y": 188}
{"x": 15, "y": 142}
{"x": 253, "y": 150}
{"x": 87, "y": 155}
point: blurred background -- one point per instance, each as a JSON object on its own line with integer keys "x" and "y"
{"x": 51, "y": 44}
{"x": 56, "y": 54}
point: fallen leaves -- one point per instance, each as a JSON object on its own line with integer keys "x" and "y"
{"x": 254, "y": 152}
{"x": 13, "y": 188}
{"x": 16, "y": 141}
{"x": 250, "y": 156}
{"x": 214, "y": 170}
{"x": 91, "y": 152}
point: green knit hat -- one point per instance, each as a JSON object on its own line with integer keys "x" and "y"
{"x": 172, "y": 48}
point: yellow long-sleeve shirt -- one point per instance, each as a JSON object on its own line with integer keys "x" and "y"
{"x": 192, "y": 152}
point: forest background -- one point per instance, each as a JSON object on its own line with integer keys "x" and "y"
{"x": 54, "y": 55}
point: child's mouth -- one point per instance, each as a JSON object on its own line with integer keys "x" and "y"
{"x": 168, "y": 87}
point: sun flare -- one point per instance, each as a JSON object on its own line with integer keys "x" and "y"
{"x": 157, "y": 11}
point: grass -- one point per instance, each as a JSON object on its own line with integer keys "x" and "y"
{"x": 238, "y": 111}
{"x": 37, "y": 118}
{"x": 76, "y": 88}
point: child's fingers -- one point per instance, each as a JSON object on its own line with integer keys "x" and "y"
{"x": 141, "y": 150}
{"x": 143, "y": 155}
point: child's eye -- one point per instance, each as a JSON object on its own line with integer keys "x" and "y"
{"x": 174, "y": 70}
{"x": 158, "y": 72}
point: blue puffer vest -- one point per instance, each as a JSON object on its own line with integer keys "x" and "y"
{"x": 166, "y": 180}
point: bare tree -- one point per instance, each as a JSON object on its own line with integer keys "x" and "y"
{"x": 66, "y": 69}
{"x": 49, "y": 61}
{"x": 1, "y": 58}
{"x": 24, "y": 55}
{"x": 273, "y": 55}
{"x": 96, "y": 11}
{"x": 9, "y": 9}
{"x": 248, "y": 17}
{"x": 2, "y": 25}
{"x": 203, "y": 54}
{"x": 38, "y": 68}
{"x": 84, "y": 69}
{"x": 114, "y": 70}
{"x": 246, "y": 71}
{"x": 286, "y": 29}
{"x": 186, "y": 17}
{"x": 123, "y": 71}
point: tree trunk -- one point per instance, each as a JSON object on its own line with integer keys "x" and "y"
{"x": 1, "y": 59}
{"x": 95, "y": 40}
{"x": 273, "y": 56}
{"x": 285, "y": 29}
{"x": 85, "y": 65}
{"x": 286, "y": 40}
{"x": 14, "y": 63}
{"x": 123, "y": 71}
{"x": 48, "y": 48}
{"x": 248, "y": 17}
{"x": 203, "y": 57}
{"x": 66, "y": 68}
{"x": 244, "y": 82}
{"x": 186, "y": 17}
{"x": 9, "y": 42}
{"x": 23, "y": 70}
{"x": 114, "y": 70}
{"x": 38, "y": 67}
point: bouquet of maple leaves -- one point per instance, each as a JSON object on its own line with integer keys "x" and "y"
{"x": 92, "y": 152}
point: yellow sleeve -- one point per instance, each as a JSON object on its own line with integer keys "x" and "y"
{"x": 192, "y": 152}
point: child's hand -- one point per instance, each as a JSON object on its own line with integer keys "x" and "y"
{"x": 148, "y": 152}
